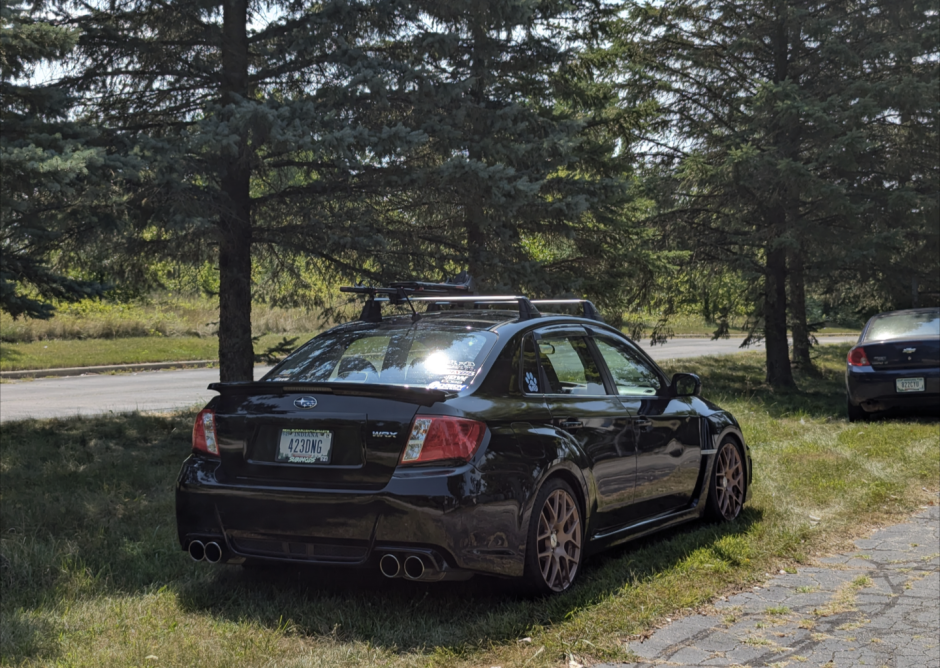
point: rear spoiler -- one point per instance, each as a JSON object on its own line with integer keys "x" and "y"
{"x": 417, "y": 395}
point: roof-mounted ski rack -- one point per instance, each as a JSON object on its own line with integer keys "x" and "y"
{"x": 455, "y": 290}
{"x": 458, "y": 290}
{"x": 587, "y": 308}
{"x": 399, "y": 293}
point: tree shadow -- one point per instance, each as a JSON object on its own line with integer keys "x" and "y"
{"x": 362, "y": 605}
{"x": 88, "y": 513}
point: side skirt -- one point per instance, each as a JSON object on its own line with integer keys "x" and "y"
{"x": 609, "y": 538}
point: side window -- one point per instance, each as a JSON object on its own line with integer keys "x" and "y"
{"x": 568, "y": 365}
{"x": 631, "y": 374}
{"x": 532, "y": 382}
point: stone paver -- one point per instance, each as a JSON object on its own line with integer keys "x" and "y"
{"x": 877, "y": 606}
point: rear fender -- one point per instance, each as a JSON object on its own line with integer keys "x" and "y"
{"x": 522, "y": 456}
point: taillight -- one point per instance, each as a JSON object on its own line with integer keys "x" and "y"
{"x": 204, "y": 439}
{"x": 437, "y": 438}
{"x": 857, "y": 357}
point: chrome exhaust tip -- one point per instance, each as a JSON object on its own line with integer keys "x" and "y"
{"x": 389, "y": 566}
{"x": 197, "y": 550}
{"x": 213, "y": 552}
{"x": 414, "y": 567}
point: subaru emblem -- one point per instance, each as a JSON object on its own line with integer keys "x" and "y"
{"x": 305, "y": 402}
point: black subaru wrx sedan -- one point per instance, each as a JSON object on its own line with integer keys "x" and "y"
{"x": 480, "y": 436}
{"x": 895, "y": 364}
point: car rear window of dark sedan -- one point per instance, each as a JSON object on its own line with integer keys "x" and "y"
{"x": 904, "y": 326}
{"x": 434, "y": 357}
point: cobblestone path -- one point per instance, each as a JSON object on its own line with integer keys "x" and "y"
{"x": 876, "y": 606}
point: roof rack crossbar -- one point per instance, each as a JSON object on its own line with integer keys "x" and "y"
{"x": 588, "y": 309}
{"x": 458, "y": 289}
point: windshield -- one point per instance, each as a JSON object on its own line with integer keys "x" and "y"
{"x": 434, "y": 357}
{"x": 925, "y": 325}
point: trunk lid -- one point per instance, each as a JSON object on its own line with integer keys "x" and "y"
{"x": 903, "y": 354}
{"x": 368, "y": 428}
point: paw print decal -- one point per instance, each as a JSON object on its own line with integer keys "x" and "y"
{"x": 531, "y": 381}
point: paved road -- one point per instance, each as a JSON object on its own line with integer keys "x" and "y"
{"x": 876, "y": 606}
{"x": 165, "y": 390}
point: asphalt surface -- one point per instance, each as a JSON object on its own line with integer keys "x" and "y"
{"x": 877, "y": 606}
{"x": 168, "y": 390}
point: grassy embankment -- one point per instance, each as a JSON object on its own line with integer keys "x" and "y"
{"x": 95, "y": 333}
{"x": 92, "y": 574}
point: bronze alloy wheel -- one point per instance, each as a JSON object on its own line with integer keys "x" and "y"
{"x": 559, "y": 540}
{"x": 729, "y": 481}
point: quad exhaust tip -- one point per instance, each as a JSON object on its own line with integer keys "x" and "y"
{"x": 197, "y": 550}
{"x": 390, "y": 566}
{"x": 414, "y": 567}
{"x": 213, "y": 552}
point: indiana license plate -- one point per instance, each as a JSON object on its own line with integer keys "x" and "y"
{"x": 909, "y": 384}
{"x": 304, "y": 446}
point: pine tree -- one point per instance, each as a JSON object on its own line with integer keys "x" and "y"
{"x": 373, "y": 137}
{"x": 773, "y": 127}
{"x": 57, "y": 184}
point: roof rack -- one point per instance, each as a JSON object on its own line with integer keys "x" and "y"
{"x": 454, "y": 291}
{"x": 588, "y": 309}
{"x": 526, "y": 310}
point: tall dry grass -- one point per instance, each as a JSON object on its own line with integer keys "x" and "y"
{"x": 91, "y": 319}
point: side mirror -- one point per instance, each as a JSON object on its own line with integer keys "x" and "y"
{"x": 686, "y": 385}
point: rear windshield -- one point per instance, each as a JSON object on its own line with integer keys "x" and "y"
{"x": 436, "y": 358}
{"x": 905, "y": 326}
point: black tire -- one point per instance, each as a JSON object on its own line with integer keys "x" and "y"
{"x": 728, "y": 484}
{"x": 552, "y": 564}
{"x": 855, "y": 413}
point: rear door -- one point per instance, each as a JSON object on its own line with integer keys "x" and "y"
{"x": 668, "y": 430}
{"x": 583, "y": 411}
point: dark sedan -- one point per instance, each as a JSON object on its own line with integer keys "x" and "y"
{"x": 480, "y": 436}
{"x": 895, "y": 364}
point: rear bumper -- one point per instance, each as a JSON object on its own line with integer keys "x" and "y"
{"x": 448, "y": 513}
{"x": 876, "y": 390}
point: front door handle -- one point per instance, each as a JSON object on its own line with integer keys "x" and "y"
{"x": 643, "y": 422}
{"x": 571, "y": 424}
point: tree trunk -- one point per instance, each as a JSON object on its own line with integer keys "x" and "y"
{"x": 236, "y": 356}
{"x": 779, "y": 374}
{"x": 797, "y": 309}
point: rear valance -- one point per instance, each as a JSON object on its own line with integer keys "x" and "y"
{"x": 415, "y": 395}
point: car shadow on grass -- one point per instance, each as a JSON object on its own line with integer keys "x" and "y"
{"x": 364, "y": 606}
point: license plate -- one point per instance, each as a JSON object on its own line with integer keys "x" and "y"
{"x": 909, "y": 384}
{"x": 304, "y": 446}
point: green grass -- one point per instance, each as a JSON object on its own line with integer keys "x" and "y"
{"x": 692, "y": 325}
{"x": 92, "y": 574}
{"x": 56, "y": 353}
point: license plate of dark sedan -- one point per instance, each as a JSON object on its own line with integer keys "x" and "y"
{"x": 303, "y": 446}
{"x": 909, "y": 384}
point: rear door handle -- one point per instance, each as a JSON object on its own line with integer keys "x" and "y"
{"x": 642, "y": 422}
{"x": 571, "y": 424}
